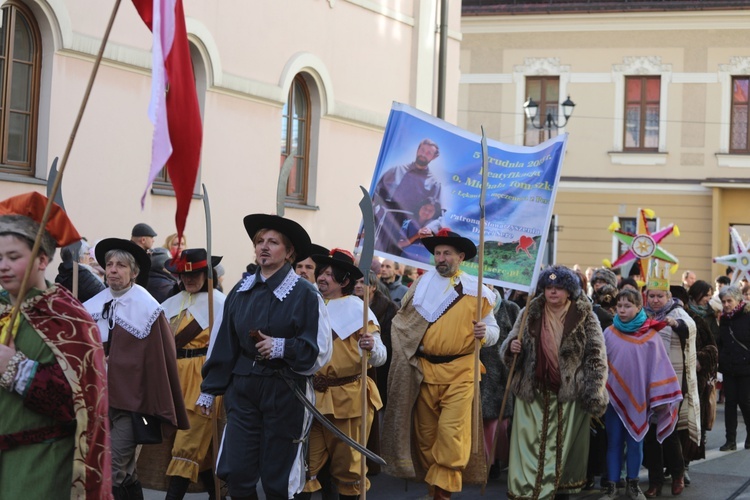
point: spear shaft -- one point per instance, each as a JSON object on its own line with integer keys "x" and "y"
{"x": 58, "y": 180}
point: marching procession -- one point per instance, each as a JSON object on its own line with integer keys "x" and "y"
{"x": 438, "y": 349}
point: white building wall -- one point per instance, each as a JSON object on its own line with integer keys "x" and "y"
{"x": 361, "y": 55}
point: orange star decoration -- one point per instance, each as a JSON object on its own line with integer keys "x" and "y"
{"x": 739, "y": 261}
{"x": 643, "y": 245}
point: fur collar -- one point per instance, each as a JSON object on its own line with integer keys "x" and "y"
{"x": 582, "y": 357}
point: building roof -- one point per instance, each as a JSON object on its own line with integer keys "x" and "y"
{"x": 513, "y": 7}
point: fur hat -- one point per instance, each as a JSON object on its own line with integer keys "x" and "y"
{"x": 605, "y": 275}
{"x": 561, "y": 277}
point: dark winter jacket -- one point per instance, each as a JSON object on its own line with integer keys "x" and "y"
{"x": 493, "y": 383}
{"x": 88, "y": 284}
{"x": 162, "y": 285}
{"x": 734, "y": 359}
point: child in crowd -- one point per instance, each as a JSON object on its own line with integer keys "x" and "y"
{"x": 642, "y": 384}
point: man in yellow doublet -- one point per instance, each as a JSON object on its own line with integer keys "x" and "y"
{"x": 187, "y": 313}
{"x": 432, "y": 371}
{"x": 338, "y": 384}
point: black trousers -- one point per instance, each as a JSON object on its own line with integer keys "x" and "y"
{"x": 736, "y": 393}
{"x": 656, "y": 456}
{"x": 262, "y": 436}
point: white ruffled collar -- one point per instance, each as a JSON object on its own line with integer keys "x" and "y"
{"x": 135, "y": 311}
{"x": 434, "y": 293}
{"x": 280, "y": 291}
{"x": 345, "y": 315}
{"x": 195, "y": 303}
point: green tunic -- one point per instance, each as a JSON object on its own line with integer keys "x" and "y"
{"x": 41, "y": 470}
{"x": 548, "y": 448}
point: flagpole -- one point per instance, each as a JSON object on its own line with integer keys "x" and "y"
{"x": 58, "y": 180}
{"x": 480, "y": 271}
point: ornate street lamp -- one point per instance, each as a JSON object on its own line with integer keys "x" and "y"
{"x": 531, "y": 109}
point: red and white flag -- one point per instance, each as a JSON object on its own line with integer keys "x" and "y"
{"x": 174, "y": 107}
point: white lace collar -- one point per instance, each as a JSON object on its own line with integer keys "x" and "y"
{"x": 195, "y": 303}
{"x": 135, "y": 311}
{"x": 434, "y": 293}
{"x": 345, "y": 315}
{"x": 281, "y": 291}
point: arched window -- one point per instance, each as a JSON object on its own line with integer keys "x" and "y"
{"x": 20, "y": 68}
{"x": 295, "y": 136}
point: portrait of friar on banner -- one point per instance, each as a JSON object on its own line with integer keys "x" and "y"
{"x": 428, "y": 177}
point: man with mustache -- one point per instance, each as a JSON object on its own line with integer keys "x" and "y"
{"x": 431, "y": 380}
{"x": 400, "y": 191}
{"x": 274, "y": 334}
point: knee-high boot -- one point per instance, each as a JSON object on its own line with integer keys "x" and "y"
{"x": 178, "y": 486}
{"x": 207, "y": 477}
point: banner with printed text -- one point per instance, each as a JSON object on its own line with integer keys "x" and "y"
{"x": 429, "y": 176}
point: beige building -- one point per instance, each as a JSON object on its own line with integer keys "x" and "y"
{"x": 319, "y": 75}
{"x": 660, "y": 120}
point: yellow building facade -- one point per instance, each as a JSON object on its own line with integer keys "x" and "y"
{"x": 660, "y": 119}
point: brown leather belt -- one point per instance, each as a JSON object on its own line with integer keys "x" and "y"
{"x": 321, "y": 383}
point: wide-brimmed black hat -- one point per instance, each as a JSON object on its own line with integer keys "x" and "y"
{"x": 314, "y": 250}
{"x": 448, "y": 237}
{"x": 296, "y": 233}
{"x": 138, "y": 253}
{"x": 342, "y": 259}
{"x": 191, "y": 260}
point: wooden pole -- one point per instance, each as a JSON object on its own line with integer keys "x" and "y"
{"x": 75, "y": 278}
{"x": 521, "y": 327}
{"x": 476, "y": 417}
{"x": 363, "y": 427}
{"x": 58, "y": 180}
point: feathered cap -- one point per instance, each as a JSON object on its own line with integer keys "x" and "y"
{"x": 560, "y": 277}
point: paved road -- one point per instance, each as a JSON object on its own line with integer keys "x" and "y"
{"x": 722, "y": 475}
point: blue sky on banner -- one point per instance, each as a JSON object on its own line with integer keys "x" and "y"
{"x": 522, "y": 184}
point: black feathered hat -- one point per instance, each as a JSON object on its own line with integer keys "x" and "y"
{"x": 448, "y": 237}
{"x": 342, "y": 259}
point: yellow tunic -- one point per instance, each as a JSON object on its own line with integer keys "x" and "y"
{"x": 342, "y": 405}
{"x": 191, "y": 446}
{"x": 451, "y": 334}
{"x": 442, "y": 415}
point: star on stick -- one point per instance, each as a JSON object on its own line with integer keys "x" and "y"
{"x": 644, "y": 245}
{"x": 739, "y": 261}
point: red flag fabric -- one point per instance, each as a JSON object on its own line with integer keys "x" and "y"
{"x": 174, "y": 103}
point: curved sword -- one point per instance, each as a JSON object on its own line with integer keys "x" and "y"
{"x": 327, "y": 423}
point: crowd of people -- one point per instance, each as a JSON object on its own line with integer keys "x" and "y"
{"x": 137, "y": 345}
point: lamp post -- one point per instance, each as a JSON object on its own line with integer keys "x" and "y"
{"x": 531, "y": 109}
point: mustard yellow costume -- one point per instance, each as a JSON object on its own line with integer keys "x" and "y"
{"x": 431, "y": 380}
{"x": 190, "y": 311}
{"x": 338, "y": 386}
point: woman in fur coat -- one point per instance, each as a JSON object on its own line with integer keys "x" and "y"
{"x": 559, "y": 384}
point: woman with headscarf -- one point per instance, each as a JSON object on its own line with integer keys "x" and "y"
{"x": 734, "y": 362}
{"x": 679, "y": 340}
{"x": 559, "y": 384}
{"x": 187, "y": 313}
